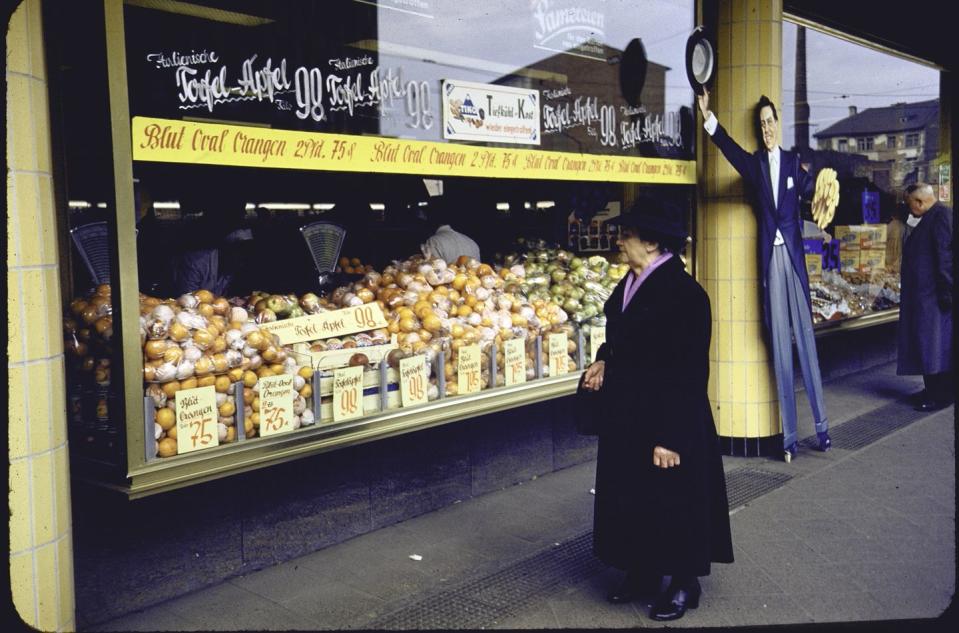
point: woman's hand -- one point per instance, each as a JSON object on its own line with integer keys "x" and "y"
{"x": 665, "y": 458}
{"x": 703, "y": 100}
{"x": 594, "y": 375}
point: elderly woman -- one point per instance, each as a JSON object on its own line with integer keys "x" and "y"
{"x": 661, "y": 507}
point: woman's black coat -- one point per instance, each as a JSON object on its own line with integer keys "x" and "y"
{"x": 668, "y": 521}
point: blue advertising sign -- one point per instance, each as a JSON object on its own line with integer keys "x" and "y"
{"x": 870, "y": 207}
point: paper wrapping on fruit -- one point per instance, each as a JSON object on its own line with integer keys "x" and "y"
{"x": 825, "y": 198}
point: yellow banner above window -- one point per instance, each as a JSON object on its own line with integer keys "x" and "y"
{"x": 173, "y": 141}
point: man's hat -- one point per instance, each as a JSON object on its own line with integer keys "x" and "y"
{"x": 653, "y": 214}
{"x": 700, "y": 59}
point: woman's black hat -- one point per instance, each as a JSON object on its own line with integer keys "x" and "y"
{"x": 653, "y": 214}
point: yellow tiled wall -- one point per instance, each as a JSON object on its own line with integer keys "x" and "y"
{"x": 749, "y": 61}
{"x": 41, "y": 548}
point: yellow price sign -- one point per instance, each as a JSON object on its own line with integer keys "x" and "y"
{"x": 558, "y": 354}
{"x": 597, "y": 336}
{"x": 196, "y": 419}
{"x": 314, "y": 327}
{"x": 347, "y": 393}
{"x": 414, "y": 380}
{"x": 276, "y": 404}
{"x": 468, "y": 369}
{"x": 514, "y": 361}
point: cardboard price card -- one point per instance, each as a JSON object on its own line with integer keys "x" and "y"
{"x": 597, "y": 336}
{"x": 558, "y": 354}
{"x": 514, "y": 361}
{"x": 468, "y": 369}
{"x": 314, "y": 327}
{"x": 347, "y": 393}
{"x": 196, "y": 419}
{"x": 414, "y": 379}
{"x": 276, "y": 405}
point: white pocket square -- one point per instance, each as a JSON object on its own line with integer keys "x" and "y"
{"x": 789, "y": 182}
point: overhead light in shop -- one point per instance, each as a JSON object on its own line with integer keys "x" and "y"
{"x": 101, "y": 205}
{"x": 422, "y": 204}
{"x": 377, "y": 206}
{"x": 502, "y": 206}
{"x": 250, "y": 206}
{"x": 527, "y": 205}
{"x": 324, "y": 206}
{"x": 166, "y": 205}
{"x": 545, "y": 204}
{"x": 284, "y": 206}
{"x": 433, "y": 187}
{"x": 78, "y": 204}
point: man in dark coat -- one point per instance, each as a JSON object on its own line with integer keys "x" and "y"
{"x": 661, "y": 506}
{"x": 925, "y": 312}
{"x": 777, "y": 181}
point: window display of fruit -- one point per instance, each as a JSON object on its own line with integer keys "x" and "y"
{"x": 353, "y": 265}
{"x": 580, "y": 285}
{"x": 196, "y": 340}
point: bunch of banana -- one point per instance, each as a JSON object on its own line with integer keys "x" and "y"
{"x": 826, "y": 197}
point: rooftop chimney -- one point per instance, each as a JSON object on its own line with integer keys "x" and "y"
{"x": 801, "y": 105}
{"x": 853, "y": 110}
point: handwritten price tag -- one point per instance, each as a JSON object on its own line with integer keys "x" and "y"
{"x": 468, "y": 369}
{"x": 276, "y": 404}
{"x": 558, "y": 354}
{"x": 313, "y": 327}
{"x": 514, "y": 361}
{"x": 196, "y": 417}
{"x": 414, "y": 378}
{"x": 347, "y": 393}
{"x": 597, "y": 336}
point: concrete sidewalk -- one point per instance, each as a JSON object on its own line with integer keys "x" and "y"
{"x": 864, "y": 532}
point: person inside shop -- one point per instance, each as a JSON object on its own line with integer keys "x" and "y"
{"x": 446, "y": 243}
{"x": 195, "y": 262}
{"x": 661, "y": 507}
{"x": 778, "y": 181}
{"x": 925, "y": 310}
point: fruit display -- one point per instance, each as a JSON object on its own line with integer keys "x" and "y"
{"x": 437, "y": 307}
{"x": 580, "y": 285}
{"x": 353, "y": 265}
{"x": 196, "y": 340}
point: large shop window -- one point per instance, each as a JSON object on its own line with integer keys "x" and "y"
{"x": 290, "y": 159}
{"x": 874, "y": 118}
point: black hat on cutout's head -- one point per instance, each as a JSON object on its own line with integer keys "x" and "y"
{"x": 632, "y": 71}
{"x": 700, "y": 59}
{"x": 653, "y": 214}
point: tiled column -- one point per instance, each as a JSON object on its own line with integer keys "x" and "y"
{"x": 742, "y": 385}
{"x": 41, "y": 549}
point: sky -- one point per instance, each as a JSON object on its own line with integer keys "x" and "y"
{"x": 840, "y": 74}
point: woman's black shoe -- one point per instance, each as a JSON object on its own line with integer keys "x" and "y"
{"x": 633, "y": 586}
{"x": 672, "y": 603}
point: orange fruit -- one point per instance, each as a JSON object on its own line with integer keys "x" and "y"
{"x": 166, "y": 418}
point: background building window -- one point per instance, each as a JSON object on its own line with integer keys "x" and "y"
{"x": 864, "y": 144}
{"x": 912, "y": 140}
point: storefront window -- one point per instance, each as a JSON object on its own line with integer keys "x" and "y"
{"x": 291, "y": 160}
{"x": 848, "y": 108}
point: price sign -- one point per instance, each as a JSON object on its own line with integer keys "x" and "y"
{"x": 558, "y": 354}
{"x": 414, "y": 378}
{"x": 597, "y": 336}
{"x": 347, "y": 393}
{"x": 276, "y": 404}
{"x": 196, "y": 418}
{"x": 314, "y": 327}
{"x": 468, "y": 369}
{"x": 514, "y": 361}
